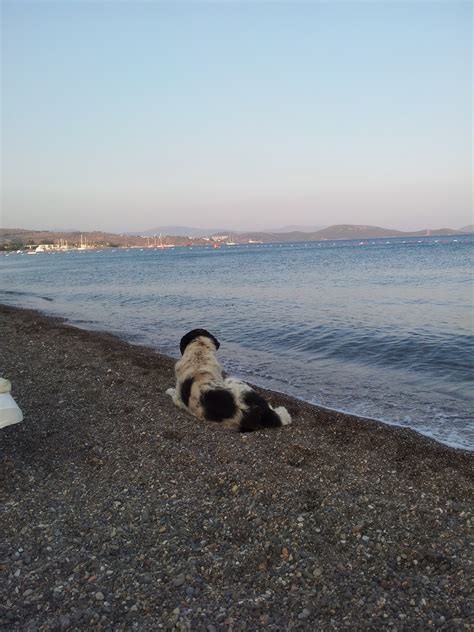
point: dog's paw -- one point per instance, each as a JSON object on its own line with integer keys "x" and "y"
{"x": 171, "y": 392}
{"x": 284, "y": 415}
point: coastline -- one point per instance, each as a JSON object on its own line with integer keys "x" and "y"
{"x": 336, "y": 521}
{"x": 413, "y": 375}
{"x": 283, "y": 399}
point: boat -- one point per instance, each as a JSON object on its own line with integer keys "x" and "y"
{"x": 83, "y": 245}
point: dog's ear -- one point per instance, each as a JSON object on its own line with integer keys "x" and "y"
{"x": 196, "y": 333}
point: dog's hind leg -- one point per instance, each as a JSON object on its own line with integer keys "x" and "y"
{"x": 259, "y": 414}
{"x": 274, "y": 418}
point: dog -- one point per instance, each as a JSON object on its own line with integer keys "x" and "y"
{"x": 202, "y": 390}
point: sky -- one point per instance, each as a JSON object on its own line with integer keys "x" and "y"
{"x": 124, "y": 116}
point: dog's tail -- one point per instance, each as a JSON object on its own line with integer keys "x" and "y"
{"x": 258, "y": 414}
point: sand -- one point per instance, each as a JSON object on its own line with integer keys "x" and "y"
{"x": 120, "y": 512}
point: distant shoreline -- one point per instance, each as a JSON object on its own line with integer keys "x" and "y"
{"x": 14, "y": 239}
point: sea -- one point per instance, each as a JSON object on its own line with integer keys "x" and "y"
{"x": 381, "y": 328}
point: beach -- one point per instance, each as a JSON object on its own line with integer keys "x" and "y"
{"x": 122, "y": 512}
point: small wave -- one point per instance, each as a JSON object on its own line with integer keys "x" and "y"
{"x": 32, "y": 294}
{"x": 441, "y": 355}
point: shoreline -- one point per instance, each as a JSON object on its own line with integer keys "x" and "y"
{"x": 207, "y": 242}
{"x": 271, "y": 393}
{"x": 123, "y": 512}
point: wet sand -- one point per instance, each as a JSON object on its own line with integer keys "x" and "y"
{"x": 120, "y": 511}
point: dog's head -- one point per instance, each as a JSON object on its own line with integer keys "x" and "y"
{"x": 192, "y": 335}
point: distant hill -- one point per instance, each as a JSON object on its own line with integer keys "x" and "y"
{"x": 12, "y": 238}
{"x": 343, "y": 231}
{"x": 182, "y": 231}
{"x": 190, "y": 231}
{"x": 350, "y": 231}
{"x": 467, "y": 229}
{"x": 17, "y": 237}
{"x": 296, "y": 228}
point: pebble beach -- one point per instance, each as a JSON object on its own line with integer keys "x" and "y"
{"x": 120, "y": 512}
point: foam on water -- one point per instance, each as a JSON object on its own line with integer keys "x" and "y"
{"x": 384, "y": 330}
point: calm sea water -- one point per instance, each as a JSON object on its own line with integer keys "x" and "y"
{"x": 383, "y": 329}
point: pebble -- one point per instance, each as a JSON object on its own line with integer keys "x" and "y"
{"x": 77, "y": 615}
{"x": 304, "y": 614}
{"x": 99, "y": 596}
{"x": 179, "y": 581}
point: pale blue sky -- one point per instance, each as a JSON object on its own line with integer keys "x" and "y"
{"x": 124, "y": 116}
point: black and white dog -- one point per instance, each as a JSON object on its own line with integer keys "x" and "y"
{"x": 202, "y": 390}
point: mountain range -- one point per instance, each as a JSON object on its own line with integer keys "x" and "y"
{"x": 345, "y": 231}
{"x": 181, "y": 231}
{"x": 190, "y": 231}
{"x": 302, "y": 233}
{"x": 181, "y": 235}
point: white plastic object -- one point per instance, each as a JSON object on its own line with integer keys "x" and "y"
{"x": 9, "y": 411}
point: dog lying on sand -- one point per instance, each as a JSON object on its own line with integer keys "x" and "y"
{"x": 202, "y": 390}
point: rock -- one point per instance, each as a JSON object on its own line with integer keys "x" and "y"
{"x": 179, "y": 581}
{"x": 77, "y": 615}
{"x": 64, "y": 622}
{"x": 304, "y": 614}
{"x": 99, "y": 596}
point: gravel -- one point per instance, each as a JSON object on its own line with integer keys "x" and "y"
{"x": 121, "y": 512}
